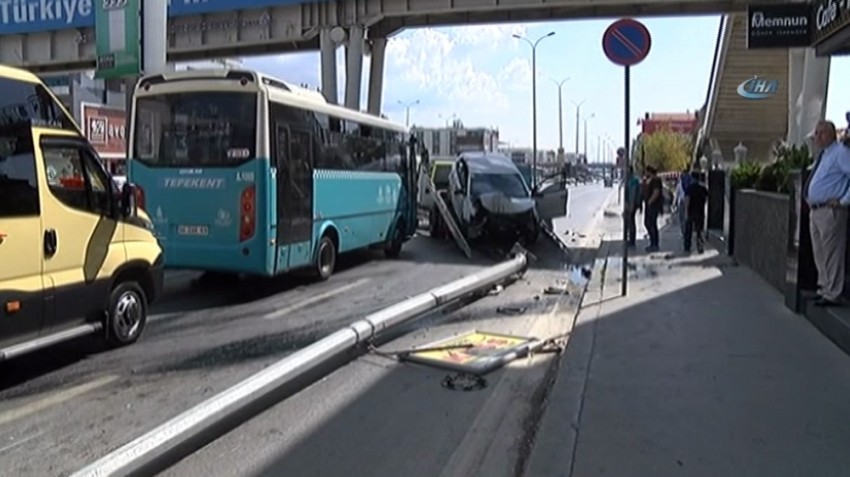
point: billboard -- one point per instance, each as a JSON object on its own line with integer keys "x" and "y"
{"x": 779, "y": 25}
{"x": 683, "y": 126}
{"x": 105, "y": 128}
{"x": 30, "y": 16}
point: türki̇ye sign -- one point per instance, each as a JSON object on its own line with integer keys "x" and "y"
{"x": 105, "y": 128}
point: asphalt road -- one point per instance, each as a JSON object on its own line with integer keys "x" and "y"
{"x": 378, "y": 416}
{"x": 63, "y": 408}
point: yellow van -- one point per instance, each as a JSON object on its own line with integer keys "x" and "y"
{"x": 75, "y": 256}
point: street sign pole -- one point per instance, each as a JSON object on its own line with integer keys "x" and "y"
{"x": 626, "y": 175}
{"x": 626, "y": 43}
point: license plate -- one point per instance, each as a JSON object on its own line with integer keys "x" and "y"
{"x": 193, "y": 230}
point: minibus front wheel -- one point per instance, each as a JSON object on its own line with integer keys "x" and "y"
{"x": 127, "y": 314}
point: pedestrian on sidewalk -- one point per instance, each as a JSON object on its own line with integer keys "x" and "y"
{"x": 633, "y": 193}
{"x": 696, "y": 198}
{"x": 654, "y": 204}
{"x": 826, "y": 194}
{"x": 679, "y": 200}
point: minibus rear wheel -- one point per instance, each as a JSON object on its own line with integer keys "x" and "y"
{"x": 127, "y": 314}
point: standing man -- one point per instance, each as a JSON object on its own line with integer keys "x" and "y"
{"x": 654, "y": 205}
{"x": 828, "y": 184}
{"x": 632, "y": 193}
{"x": 696, "y": 197}
{"x": 679, "y": 200}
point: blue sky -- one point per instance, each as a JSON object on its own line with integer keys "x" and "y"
{"x": 482, "y": 75}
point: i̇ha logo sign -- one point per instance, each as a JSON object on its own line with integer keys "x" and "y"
{"x": 758, "y": 88}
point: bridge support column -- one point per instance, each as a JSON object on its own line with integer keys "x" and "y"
{"x": 376, "y": 75}
{"x": 354, "y": 68}
{"x": 328, "y": 55}
{"x": 809, "y": 105}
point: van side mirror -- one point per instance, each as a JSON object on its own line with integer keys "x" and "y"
{"x": 128, "y": 200}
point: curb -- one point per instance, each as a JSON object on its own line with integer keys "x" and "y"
{"x": 194, "y": 428}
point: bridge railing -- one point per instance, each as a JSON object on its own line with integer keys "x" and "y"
{"x": 718, "y": 64}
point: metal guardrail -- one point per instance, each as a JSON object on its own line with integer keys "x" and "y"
{"x": 168, "y": 442}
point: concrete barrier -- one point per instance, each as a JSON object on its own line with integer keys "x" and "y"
{"x": 168, "y": 442}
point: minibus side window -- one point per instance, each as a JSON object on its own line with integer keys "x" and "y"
{"x": 18, "y": 180}
{"x": 76, "y": 179}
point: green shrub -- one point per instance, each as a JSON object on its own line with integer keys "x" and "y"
{"x": 774, "y": 177}
{"x": 745, "y": 175}
{"x": 795, "y": 157}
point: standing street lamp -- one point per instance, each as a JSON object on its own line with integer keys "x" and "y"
{"x": 407, "y": 110}
{"x": 447, "y": 118}
{"x": 585, "y": 134}
{"x": 534, "y": 99}
{"x": 560, "y": 121}
{"x": 578, "y": 122}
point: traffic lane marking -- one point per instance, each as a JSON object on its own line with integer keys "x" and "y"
{"x": 55, "y": 399}
{"x": 281, "y": 312}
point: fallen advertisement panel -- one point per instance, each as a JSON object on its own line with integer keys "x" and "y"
{"x": 477, "y": 352}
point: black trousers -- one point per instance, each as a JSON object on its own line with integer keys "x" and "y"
{"x": 694, "y": 225}
{"x": 631, "y": 226}
{"x": 650, "y": 221}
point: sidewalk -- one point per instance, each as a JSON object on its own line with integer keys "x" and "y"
{"x": 700, "y": 370}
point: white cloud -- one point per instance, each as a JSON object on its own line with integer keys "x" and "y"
{"x": 517, "y": 74}
{"x": 431, "y": 60}
{"x": 494, "y": 36}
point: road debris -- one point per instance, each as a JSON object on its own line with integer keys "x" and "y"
{"x": 511, "y": 310}
{"x": 488, "y": 352}
{"x": 464, "y": 382}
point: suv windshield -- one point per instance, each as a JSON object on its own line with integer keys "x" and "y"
{"x": 511, "y": 185}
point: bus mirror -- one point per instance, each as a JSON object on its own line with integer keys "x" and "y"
{"x": 128, "y": 200}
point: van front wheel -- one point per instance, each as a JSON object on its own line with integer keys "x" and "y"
{"x": 127, "y": 314}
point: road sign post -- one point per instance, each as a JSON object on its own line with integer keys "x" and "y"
{"x": 626, "y": 43}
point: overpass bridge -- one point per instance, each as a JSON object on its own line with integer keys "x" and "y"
{"x": 58, "y": 35}
{"x": 793, "y": 86}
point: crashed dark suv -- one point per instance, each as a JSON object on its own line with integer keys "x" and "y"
{"x": 489, "y": 197}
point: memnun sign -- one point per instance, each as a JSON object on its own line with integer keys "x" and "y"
{"x": 779, "y": 26}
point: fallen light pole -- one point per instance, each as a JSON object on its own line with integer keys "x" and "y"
{"x": 175, "y": 438}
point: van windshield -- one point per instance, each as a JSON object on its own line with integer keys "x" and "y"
{"x": 31, "y": 103}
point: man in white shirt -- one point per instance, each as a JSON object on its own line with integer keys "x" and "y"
{"x": 826, "y": 194}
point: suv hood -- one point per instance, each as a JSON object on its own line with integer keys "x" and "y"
{"x": 498, "y": 203}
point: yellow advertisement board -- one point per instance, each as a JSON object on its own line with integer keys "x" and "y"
{"x": 475, "y": 351}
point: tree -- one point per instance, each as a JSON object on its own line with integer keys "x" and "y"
{"x": 666, "y": 150}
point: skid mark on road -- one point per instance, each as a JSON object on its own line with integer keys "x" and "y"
{"x": 54, "y": 399}
{"x": 281, "y": 312}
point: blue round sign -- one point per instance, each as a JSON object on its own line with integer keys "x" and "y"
{"x": 626, "y": 42}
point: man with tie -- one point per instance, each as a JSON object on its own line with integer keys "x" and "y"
{"x": 827, "y": 195}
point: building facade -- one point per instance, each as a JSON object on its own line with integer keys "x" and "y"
{"x": 684, "y": 123}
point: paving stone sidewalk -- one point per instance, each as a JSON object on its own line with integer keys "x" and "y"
{"x": 699, "y": 371}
